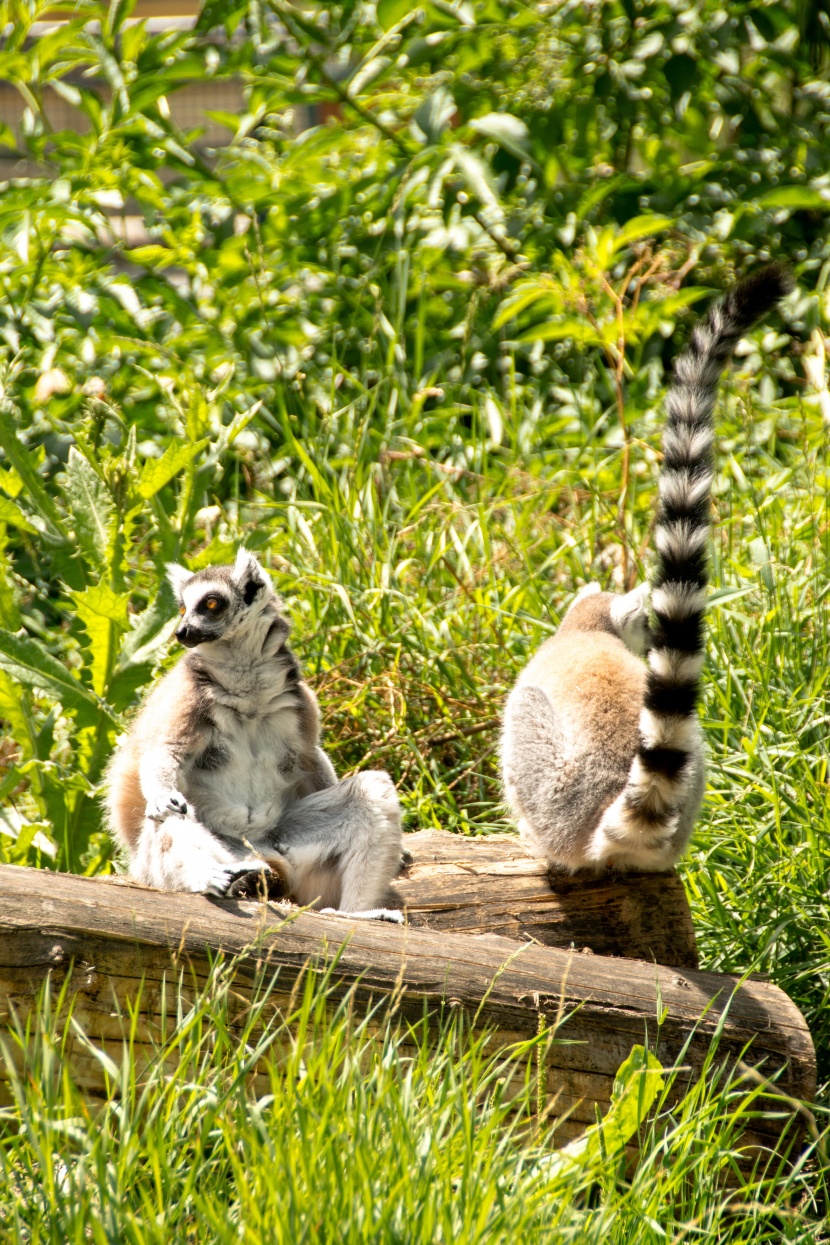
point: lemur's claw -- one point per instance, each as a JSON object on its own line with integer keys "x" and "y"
{"x": 251, "y": 880}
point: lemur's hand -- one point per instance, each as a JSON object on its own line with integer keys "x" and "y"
{"x": 167, "y": 804}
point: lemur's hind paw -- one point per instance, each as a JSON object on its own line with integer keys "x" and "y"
{"x": 248, "y": 880}
{"x": 393, "y": 915}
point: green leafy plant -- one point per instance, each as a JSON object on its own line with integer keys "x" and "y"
{"x": 406, "y": 333}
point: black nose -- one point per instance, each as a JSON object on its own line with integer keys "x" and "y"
{"x": 188, "y": 636}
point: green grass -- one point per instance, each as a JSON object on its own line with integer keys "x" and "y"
{"x": 319, "y": 1123}
{"x": 418, "y": 585}
{"x": 406, "y": 357}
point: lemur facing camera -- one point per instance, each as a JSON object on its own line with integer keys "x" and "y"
{"x": 221, "y": 785}
{"x": 602, "y": 756}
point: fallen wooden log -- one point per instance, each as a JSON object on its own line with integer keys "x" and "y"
{"x": 493, "y": 885}
{"x": 124, "y": 942}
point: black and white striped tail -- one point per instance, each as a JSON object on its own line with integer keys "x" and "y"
{"x": 655, "y": 789}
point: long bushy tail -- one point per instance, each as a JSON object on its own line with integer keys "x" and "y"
{"x": 659, "y": 776}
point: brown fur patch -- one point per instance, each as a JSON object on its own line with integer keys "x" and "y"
{"x": 596, "y": 683}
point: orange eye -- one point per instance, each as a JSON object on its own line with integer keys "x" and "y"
{"x": 211, "y": 603}
{"x": 182, "y": 611}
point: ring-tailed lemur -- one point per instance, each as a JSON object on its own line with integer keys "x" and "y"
{"x": 602, "y": 756}
{"x": 221, "y": 786}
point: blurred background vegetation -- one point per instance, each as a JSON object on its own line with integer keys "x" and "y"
{"x": 401, "y": 319}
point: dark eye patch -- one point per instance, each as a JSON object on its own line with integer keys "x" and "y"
{"x": 212, "y": 606}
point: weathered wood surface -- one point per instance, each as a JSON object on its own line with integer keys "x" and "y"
{"x": 120, "y": 936}
{"x": 494, "y": 885}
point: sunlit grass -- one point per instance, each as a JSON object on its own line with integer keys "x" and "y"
{"x": 320, "y": 1123}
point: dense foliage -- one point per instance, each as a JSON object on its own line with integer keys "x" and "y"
{"x": 406, "y": 334}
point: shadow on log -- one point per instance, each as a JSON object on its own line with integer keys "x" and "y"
{"x": 493, "y": 885}
{"x": 123, "y": 941}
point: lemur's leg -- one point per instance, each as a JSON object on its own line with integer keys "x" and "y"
{"x": 343, "y": 845}
{"x": 179, "y": 854}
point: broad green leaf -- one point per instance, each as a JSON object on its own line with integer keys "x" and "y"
{"x": 27, "y": 660}
{"x": 14, "y": 709}
{"x": 238, "y": 424}
{"x": 101, "y": 602}
{"x": 11, "y": 513}
{"x": 146, "y": 634}
{"x": 636, "y": 1086}
{"x": 90, "y": 504}
{"x": 21, "y": 460}
{"x": 151, "y": 256}
{"x": 125, "y": 684}
{"x": 157, "y": 472}
{"x": 523, "y": 297}
{"x": 796, "y": 198}
{"x": 646, "y": 318}
{"x": 220, "y": 13}
{"x": 11, "y": 482}
{"x": 103, "y": 614}
{"x": 640, "y": 227}
{"x": 508, "y": 131}
{"x": 390, "y": 12}
{"x": 578, "y": 330}
{"x": 218, "y": 553}
{"x": 433, "y": 115}
{"x": 9, "y": 609}
{"x": 26, "y": 833}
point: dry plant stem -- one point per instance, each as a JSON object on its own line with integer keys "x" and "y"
{"x": 617, "y": 362}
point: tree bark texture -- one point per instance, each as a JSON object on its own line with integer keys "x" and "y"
{"x": 125, "y": 942}
{"x": 493, "y": 885}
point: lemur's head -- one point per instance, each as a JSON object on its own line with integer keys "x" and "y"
{"x": 220, "y": 602}
{"x": 623, "y": 616}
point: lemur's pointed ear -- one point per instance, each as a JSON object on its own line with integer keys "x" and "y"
{"x": 179, "y": 577}
{"x": 249, "y": 576}
{"x": 245, "y": 567}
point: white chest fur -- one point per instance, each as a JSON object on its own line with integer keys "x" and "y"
{"x": 239, "y": 784}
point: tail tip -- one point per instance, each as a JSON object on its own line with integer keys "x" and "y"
{"x": 760, "y": 292}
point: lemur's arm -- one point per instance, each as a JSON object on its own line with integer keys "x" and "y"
{"x": 315, "y": 774}
{"x": 158, "y": 774}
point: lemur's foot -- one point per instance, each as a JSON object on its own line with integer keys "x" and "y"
{"x": 250, "y": 879}
{"x": 393, "y": 915}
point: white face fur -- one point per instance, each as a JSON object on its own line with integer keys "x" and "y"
{"x": 220, "y": 602}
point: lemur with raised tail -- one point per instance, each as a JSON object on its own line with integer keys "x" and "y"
{"x": 602, "y": 755}
{"x": 221, "y": 786}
